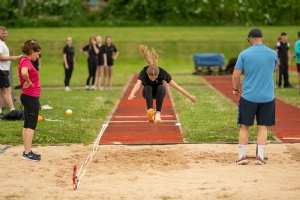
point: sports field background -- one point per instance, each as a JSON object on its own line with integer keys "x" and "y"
{"x": 212, "y": 119}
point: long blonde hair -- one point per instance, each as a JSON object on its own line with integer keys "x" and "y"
{"x": 151, "y": 59}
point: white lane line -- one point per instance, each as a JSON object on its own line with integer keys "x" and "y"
{"x": 291, "y": 138}
{"x": 139, "y": 121}
{"x": 138, "y": 116}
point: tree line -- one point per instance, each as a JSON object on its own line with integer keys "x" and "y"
{"x": 75, "y": 13}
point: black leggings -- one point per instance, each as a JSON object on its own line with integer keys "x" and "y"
{"x": 154, "y": 92}
{"x": 284, "y": 71}
{"x": 92, "y": 65}
{"x": 31, "y": 110}
{"x": 68, "y": 73}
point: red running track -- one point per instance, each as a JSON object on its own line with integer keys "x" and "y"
{"x": 287, "y": 128}
{"x": 129, "y": 123}
{"x": 293, "y": 68}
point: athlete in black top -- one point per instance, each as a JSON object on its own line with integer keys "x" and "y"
{"x": 92, "y": 51}
{"x": 283, "y": 50}
{"x": 152, "y": 77}
{"x": 101, "y": 62}
{"x": 69, "y": 62}
{"x": 111, "y": 53}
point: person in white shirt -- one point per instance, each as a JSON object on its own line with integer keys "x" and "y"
{"x": 5, "y": 88}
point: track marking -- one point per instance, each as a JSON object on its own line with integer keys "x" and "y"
{"x": 291, "y": 138}
{"x": 88, "y": 160}
{"x": 138, "y": 116}
{"x": 140, "y": 121}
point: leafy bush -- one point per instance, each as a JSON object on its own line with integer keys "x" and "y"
{"x": 149, "y": 12}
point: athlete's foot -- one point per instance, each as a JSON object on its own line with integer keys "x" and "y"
{"x": 157, "y": 118}
{"x": 150, "y": 115}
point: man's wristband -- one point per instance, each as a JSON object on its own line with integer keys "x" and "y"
{"x": 235, "y": 90}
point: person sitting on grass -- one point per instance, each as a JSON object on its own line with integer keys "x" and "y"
{"x": 152, "y": 77}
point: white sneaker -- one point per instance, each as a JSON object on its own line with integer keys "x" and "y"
{"x": 157, "y": 118}
{"x": 92, "y": 87}
{"x": 67, "y": 88}
{"x": 87, "y": 87}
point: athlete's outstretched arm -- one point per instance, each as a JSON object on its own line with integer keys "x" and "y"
{"x": 135, "y": 89}
{"x": 181, "y": 90}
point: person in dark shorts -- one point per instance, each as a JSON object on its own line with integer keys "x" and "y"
{"x": 258, "y": 63}
{"x": 152, "y": 78}
{"x": 5, "y": 58}
{"x": 31, "y": 91}
{"x": 297, "y": 55}
{"x": 101, "y": 62}
{"x": 112, "y": 54}
{"x": 283, "y": 50}
{"x": 69, "y": 62}
{"x": 91, "y": 51}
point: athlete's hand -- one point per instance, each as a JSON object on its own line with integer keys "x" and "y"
{"x": 27, "y": 84}
{"x": 131, "y": 96}
{"x": 67, "y": 66}
{"x": 193, "y": 98}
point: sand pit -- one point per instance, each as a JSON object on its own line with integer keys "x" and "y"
{"x": 187, "y": 171}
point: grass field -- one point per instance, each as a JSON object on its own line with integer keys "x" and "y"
{"x": 175, "y": 47}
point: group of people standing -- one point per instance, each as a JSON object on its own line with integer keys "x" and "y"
{"x": 100, "y": 58}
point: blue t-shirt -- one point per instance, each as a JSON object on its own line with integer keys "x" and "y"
{"x": 258, "y": 63}
{"x": 297, "y": 51}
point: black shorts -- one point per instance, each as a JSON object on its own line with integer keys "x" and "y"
{"x": 298, "y": 67}
{"x": 100, "y": 61}
{"x": 4, "y": 80}
{"x": 264, "y": 113}
{"x": 110, "y": 63}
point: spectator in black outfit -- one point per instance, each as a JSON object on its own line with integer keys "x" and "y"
{"x": 101, "y": 62}
{"x": 69, "y": 62}
{"x": 92, "y": 51}
{"x": 283, "y": 50}
{"x": 108, "y": 69}
{"x": 37, "y": 63}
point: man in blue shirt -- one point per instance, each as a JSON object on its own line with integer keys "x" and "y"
{"x": 258, "y": 63}
{"x": 297, "y": 55}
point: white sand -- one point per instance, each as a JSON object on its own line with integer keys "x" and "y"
{"x": 197, "y": 171}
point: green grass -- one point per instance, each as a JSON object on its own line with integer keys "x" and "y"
{"x": 212, "y": 119}
{"x": 90, "y": 110}
{"x": 175, "y": 47}
{"x": 290, "y": 95}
